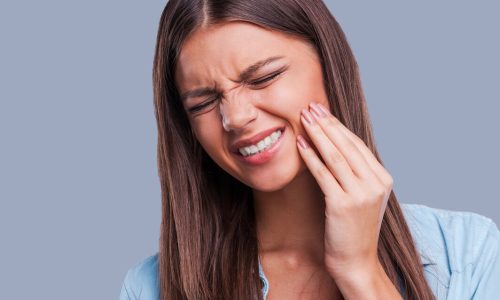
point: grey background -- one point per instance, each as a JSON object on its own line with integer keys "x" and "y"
{"x": 79, "y": 191}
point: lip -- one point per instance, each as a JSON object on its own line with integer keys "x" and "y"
{"x": 265, "y": 156}
{"x": 253, "y": 140}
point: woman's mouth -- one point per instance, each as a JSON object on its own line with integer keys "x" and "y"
{"x": 262, "y": 151}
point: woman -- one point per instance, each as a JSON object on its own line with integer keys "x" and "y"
{"x": 272, "y": 186}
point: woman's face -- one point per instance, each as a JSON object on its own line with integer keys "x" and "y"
{"x": 235, "y": 106}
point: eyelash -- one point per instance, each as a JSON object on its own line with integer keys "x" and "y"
{"x": 256, "y": 82}
{"x": 265, "y": 79}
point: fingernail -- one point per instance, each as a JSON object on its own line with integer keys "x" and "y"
{"x": 302, "y": 142}
{"x": 317, "y": 110}
{"x": 324, "y": 109}
{"x": 307, "y": 116}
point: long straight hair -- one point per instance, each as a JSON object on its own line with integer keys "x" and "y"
{"x": 208, "y": 245}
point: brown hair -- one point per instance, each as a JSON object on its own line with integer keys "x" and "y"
{"x": 208, "y": 244}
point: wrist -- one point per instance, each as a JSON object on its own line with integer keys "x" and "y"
{"x": 366, "y": 282}
{"x": 356, "y": 278}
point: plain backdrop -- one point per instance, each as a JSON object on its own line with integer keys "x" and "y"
{"x": 79, "y": 190}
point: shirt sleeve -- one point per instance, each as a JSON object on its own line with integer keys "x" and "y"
{"x": 127, "y": 293}
{"x": 141, "y": 281}
{"x": 485, "y": 279}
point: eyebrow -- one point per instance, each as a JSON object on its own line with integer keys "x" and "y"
{"x": 244, "y": 76}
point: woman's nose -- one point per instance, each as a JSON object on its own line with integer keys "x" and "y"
{"x": 236, "y": 113}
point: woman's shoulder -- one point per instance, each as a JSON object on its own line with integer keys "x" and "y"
{"x": 457, "y": 237}
{"x": 141, "y": 280}
{"x": 459, "y": 249}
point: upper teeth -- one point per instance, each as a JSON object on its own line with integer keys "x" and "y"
{"x": 261, "y": 145}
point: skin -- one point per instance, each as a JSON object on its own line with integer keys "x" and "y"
{"x": 318, "y": 209}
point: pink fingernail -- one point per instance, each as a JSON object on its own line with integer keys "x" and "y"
{"x": 317, "y": 110}
{"x": 324, "y": 109}
{"x": 307, "y": 116}
{"x": 302, "y": 142}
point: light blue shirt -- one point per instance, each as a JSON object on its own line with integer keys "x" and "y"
{"x": 459, "y": 253}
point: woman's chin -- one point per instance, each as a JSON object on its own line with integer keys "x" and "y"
{"x": 275, "y": 181}
{"x": 268, "y": 187}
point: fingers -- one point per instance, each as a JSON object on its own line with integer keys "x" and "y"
{"x": 367, "y": 154}
{"x": 333, "y": 158}
{"x": 327, "y": 182}
{"x": 331, "y": 127}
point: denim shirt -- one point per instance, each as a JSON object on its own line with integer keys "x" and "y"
{"x": 459, "y": 253}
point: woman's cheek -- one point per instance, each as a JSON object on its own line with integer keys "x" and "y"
{"x": 281, "y": 98}
{"x": 207, "y": 129}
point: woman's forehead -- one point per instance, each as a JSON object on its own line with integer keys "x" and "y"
{"x": 225, "y": 50}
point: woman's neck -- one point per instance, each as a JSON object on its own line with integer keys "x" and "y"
{"x": 290, "y": 222}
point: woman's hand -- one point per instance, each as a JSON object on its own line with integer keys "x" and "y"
{"x": 356, "y": 188}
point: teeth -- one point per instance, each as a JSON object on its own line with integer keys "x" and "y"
{"x": 261, "y": 145}
{"x": 267, "y": 141}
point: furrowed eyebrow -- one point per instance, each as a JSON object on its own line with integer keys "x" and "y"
{"x": 244, "y": 76}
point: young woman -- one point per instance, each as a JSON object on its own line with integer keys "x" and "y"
{"x": 272, "y": 186}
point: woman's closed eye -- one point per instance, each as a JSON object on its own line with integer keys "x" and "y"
{"x": 265, "y": 79}
{"x": 257, "y": 82}
{"x": 197, "y": 108}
